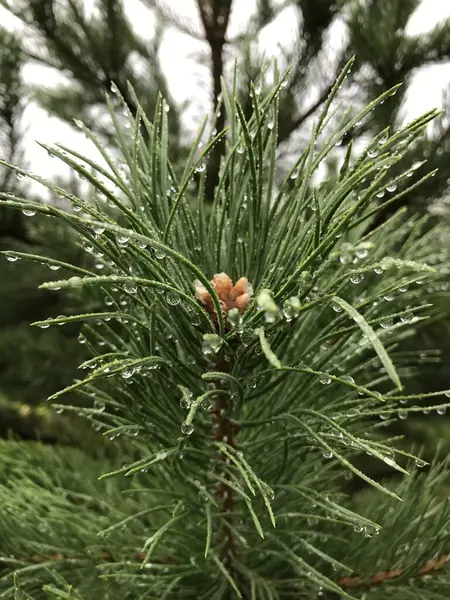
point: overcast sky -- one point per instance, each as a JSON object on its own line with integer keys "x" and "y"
{"x": 185, "y": 76}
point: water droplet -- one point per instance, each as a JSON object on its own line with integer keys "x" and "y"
{"x": 82, "y": 339}
{"x": 44, "y": 325}
{"x": 372, "y": 153}
{"x": 206, "y": 403}
{"x": 336, "y": 307}
{"x": 235, "y": 318}
{"x": 200, "y": 168}
{"x": 98, "y": 229}
{"x": 241, "y": 149}
{"x": 187, "y": 429}
{"x": 127, "y": 373}
{"x": 270, "y": 124}
{"x": 325, "y": 379}
{"x": 20, "y": 176}
{"x": 327, "y": 454}
{"x": 441, "y": 410}
{"x": 387, "y": 323}
{"x": 122, "y": 240}
{"x": 294, "y": 174}
{"x": 28, "y": 213}
{"x": 211, "y": 343}
{"x": 407, "y": 317}
{"x": 160, "y": 254}
{"x": 391, "y": 187}
{"x": 54, "y": 267}
{"x": 12, "y": 258}
{"x": 130, "y": 287}
{"x": 402, "y": 414}
{"x": 420, "y": 463}
{"x": 76, "y": 208}
{"x": 291, "y": 308}
{"x": 142, "y": 244}
{"x": 378, "y": 270}
{"x": 172, "y": 298}
{"x": 161, "y": 455}
{"x": 356, "y": 278}
{"x": 185, "y": 401}
{"x": 403, "y": 289}
{"x": 361, "y": 252}
{"x": 389, "y": 297}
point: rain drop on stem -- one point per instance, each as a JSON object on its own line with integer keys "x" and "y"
{"x": 122, "y": 240}
{"x": 130, "y": 287}
{"x": 187, "y": 429}
{"x": 356, "y": 278}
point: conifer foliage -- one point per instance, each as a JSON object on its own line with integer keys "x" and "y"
{"x": 247, "y": 358}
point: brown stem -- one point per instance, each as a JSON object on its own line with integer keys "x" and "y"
{"x": 225, "y": 432}
{"x": 383, "y": 576}
{"x": 218, "y": 150}
{"x": 215, "y": 16}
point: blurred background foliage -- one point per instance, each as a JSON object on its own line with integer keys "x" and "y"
{"x": 88, "y": 47}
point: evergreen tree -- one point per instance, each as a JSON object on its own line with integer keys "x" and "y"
{"x": 95, "y": 46}
{"x": 241, "y": 361}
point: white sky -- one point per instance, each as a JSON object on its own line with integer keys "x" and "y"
{"x": 186, "y": 77}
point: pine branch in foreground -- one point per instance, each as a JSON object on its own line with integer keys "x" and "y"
{"x": 249, "y": 354}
